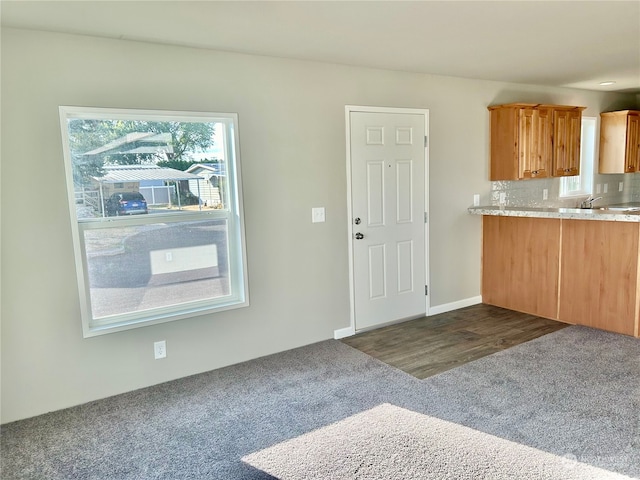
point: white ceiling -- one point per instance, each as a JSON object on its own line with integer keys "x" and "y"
{"x": 556, "y": 43}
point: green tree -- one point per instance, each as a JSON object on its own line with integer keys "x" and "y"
{"x": 186, "y": 137}
{"x": 95, "y": 143}
{"x": 85, "y": 136}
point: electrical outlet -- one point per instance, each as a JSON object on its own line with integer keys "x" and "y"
{"x": 160, "y": 349}
{"x": 598, "y": 188}
{"x": 503, "y": 198}
{"x": 545, "y": 193}
{"x": 605, "y": 188}
{"x": 620, "y": 186}
{"x": 476, "y": 199}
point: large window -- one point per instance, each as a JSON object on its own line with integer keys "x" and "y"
{"x": 156, "y": 207}
{"x": 582, "y": 184}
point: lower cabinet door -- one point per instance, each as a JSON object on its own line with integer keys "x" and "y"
{"x": 599, "y": 280}
{"x": 520, "y": 264}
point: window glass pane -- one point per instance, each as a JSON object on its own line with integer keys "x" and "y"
{"x": 173, "y": 165}
{"x": 158, "y": 205}
{"x": 138, "y": 268}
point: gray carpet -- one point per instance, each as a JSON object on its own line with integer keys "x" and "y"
{"x": 572, "y": 397}
{"x": 392, "y": 443}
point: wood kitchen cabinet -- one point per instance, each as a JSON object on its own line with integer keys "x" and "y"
{"x": 520, "y": 262}
{"x": 567, "y": 125}
{"x": 599, "y": 280}
{"x": 520, "y": 142}
{"x": 620, "y": 142}
{"x": 534, "y": 141}
{"x": 582, "y": 272}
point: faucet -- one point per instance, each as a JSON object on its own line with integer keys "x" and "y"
{"x": 588, "y": 202}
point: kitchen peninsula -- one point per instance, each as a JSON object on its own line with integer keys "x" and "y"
{"x": 578, "y": 266}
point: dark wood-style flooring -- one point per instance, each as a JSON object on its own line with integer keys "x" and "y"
{"x": 430, "y": 345}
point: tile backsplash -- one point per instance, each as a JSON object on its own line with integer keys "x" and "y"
{"x": 530, "y": 193}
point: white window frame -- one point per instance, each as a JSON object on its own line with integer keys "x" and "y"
{"x": 239, "y": 291}
{"x": 587, "y": 163}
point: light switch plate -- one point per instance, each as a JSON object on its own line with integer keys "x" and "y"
{"x": 605, "y": 188}
{"x": 476, "y": 199}
{"x": 317, "y": 214}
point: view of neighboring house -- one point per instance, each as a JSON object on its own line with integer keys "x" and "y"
{"x": 159, "y": 186}
{"x": 211, "y": 190}
{"x": 128, "y": 164}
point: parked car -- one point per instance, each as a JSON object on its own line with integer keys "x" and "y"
{"x": 126, "y": 203}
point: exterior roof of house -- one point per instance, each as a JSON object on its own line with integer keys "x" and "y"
{"x": 137, "y": 173}
{"x": 218, "y": 169}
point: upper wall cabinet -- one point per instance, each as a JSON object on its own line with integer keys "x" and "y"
{"x": 534, "y": 141}
{"x": 567, "y": 122}
{"x": 620, "y": 142}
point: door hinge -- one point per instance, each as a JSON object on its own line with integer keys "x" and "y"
{"x": 426, "y": 290}
{"x": 426, "y": 141}
{"x": 426, "y": 217}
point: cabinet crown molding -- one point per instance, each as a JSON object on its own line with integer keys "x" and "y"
{"x": 536, "y": 105}
{"x": 622, "y": 112}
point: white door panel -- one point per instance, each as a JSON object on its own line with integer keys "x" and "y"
{"x": 388, "y": 197}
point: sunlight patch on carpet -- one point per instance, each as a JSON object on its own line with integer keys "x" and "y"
{"x": 389, "y": 442}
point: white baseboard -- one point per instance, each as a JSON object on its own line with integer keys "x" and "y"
{"x": 447, "y": 307}
{"x": 344, "y": 332}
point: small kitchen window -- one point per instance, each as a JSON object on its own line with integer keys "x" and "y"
{"x": 156, "y": 206}
{"x": 582, "y": 184}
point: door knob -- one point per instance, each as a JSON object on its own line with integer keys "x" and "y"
{"x": 359, "y": 236}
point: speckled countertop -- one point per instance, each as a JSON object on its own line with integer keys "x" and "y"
{"x": 566, "y": 213}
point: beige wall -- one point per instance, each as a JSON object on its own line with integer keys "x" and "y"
{"x": 292, "y": 138}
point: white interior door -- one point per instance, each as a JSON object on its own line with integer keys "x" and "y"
{"x": 387, "y": 158}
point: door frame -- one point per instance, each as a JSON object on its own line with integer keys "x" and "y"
{"x": 351, "y": 329}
